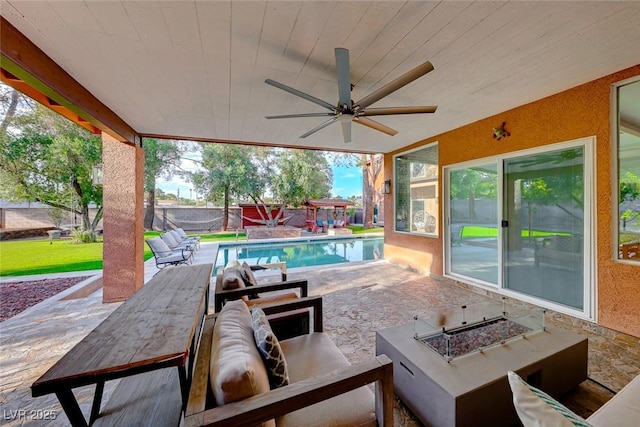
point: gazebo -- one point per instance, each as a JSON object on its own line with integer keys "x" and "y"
{"x": 313, "y": 205}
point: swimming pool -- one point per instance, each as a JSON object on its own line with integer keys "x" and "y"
{"x": 303, "y": 253}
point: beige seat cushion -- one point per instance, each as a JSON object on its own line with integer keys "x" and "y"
{"x": 236, "y": 368}
{"x": 315, "y": 354}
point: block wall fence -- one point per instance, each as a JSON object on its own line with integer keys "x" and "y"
{"x": 190, "y": 218}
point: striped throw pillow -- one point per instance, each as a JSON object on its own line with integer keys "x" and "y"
{"x": 537, "y": 409}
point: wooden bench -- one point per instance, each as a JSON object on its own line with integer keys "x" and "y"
{"x": 155, "y": 398}
{"x": 149, "y": 343}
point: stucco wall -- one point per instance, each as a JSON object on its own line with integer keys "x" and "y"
{"x": 123, "y": 259}
{"x": 583, "y": 111}
{"x": 38, "y": 217}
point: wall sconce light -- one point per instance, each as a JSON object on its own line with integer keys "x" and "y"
{"x": 386, "y": 187}
{"x": 501, "y": 132}
{"x": 97, "y": 176}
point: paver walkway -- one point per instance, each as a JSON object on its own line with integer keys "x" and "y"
{"x": 359, "y": 298}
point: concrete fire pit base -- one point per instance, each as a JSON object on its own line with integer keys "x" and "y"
{"x": 473, "y": 389}
{"x": 272, "y": 232}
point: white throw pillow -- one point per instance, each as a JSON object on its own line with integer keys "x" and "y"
{"x": 537, "y": 409}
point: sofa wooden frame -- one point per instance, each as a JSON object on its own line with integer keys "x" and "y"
{"x": 221, "y": 296}
{"x": 274, "y": 403}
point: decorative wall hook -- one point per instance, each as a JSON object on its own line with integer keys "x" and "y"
{"x": 501, "y": 132}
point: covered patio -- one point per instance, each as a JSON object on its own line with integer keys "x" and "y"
{"x": 360, "y": 299}
{"x": 191, "y": 70}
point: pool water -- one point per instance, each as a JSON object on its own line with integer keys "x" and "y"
{"x": 306, "y": 253}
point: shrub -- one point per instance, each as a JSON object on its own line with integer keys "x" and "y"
{"x": 84, "y": 236}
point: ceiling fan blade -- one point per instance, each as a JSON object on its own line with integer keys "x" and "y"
{"x": 320, "y": 126}
{"x": 344, "y": 76}
{"x": 397, "y": 110}
{"x": 346, "y": 132}
{"x": 375, "y": 125}
{"x": 396, "y": 84}
{"x": 293, "y": 116}
{"x": 296, "y": 92}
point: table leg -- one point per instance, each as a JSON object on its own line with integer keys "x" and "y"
{"x": 184, "y": 386}
{"x": 97, "y": 400}
{"x": 71, "y": 408}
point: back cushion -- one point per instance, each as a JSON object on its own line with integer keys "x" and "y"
{"x": 232, "y": 278}
{"x": 159, "y": 246}
{"x": 169, "y": 239}
{"x": 175, "y": 235}
{"x": 236, "y": 368}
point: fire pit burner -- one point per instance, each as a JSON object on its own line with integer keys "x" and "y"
{"x": 467, "y": 339}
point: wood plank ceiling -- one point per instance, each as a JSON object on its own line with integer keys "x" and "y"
{"x": 196, "y": 69}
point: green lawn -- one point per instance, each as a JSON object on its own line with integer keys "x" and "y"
{"x": 22, "y": 257}
{"x": 480, "y": 232}
{"x": 359, "y": 229}
{"x": 26, "y": 257}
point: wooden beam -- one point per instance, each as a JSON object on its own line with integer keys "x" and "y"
{"x": 24, "y": 61}
{"x": 260, "y": 144}
{"x": 28, "y": 90}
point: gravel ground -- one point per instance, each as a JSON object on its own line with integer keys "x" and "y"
{"x": 18, "y": 296}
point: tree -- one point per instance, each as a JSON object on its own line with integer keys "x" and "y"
{"x": 10, "y": 98}
{"x": 302, "y": 174}
{"x": 228, "y": 170}
{"x": 372, "y": 165}
{"x": 469, "y": 183}
{"x": 629, "y": 196}
{"x": 535, "y": 192}
{"x": 297, "y": 175}
{"x": 50, "y": 160}
{"x": 161, "y": 159}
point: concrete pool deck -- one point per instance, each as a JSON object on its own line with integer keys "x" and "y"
{"x": 359, "y": 298}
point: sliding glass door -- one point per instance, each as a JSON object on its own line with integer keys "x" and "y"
{"x": 544, "y": 226}
{"x": 520, "y": 223}
{"x": 473, "y": 222}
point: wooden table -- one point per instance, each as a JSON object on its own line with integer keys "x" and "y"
{"x": 158, "y": 327}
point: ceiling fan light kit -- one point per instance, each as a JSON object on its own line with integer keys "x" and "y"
{"x": 346, "y": 111}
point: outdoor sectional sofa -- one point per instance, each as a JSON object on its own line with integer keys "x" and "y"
{"x": 231, "y": 385}
{"x": 237, "y": 281}
{"x": 535, "y": 408}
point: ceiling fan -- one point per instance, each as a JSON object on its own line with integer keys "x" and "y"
{"x": 347, "y": 111}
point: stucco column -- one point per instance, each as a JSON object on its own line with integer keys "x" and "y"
{"x": 123, "y": 200}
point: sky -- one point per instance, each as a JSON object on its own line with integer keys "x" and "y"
{"x": 347, "y": 181}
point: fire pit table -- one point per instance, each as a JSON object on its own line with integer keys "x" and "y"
{"x": 450, "y": 368}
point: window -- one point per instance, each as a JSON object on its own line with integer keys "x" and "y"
{"x": 627, "y": 98}
{"x": 416, "y": 191}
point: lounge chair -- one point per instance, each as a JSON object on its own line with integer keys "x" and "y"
{"x": 164, "y": 256}
{"x": 174, "y": 244}
{"x": 195, "y": 243}
{"x": 184, "y": 235}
